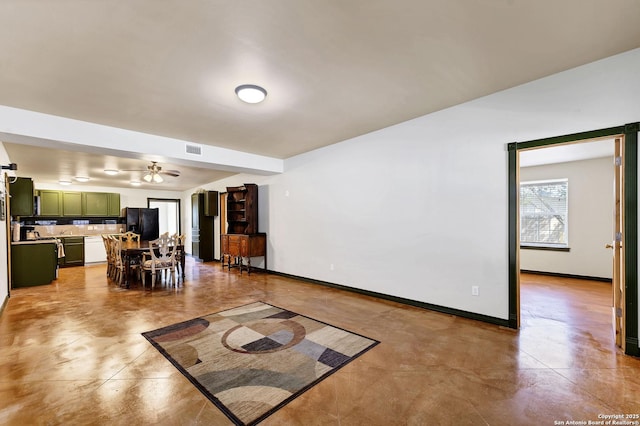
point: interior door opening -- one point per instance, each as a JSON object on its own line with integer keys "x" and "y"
{"x": 562, "y": 207}
{"x": 168, "y": 214}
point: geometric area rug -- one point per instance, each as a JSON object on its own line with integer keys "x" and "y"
{"x": 252, "y": 360}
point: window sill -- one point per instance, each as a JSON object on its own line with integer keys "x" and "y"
{"x": 545, "y": 248}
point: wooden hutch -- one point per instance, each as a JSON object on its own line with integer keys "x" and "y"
{"x": 242, "y": 240}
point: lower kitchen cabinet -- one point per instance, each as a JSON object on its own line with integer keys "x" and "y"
{"x": 33, "y": 263}
{"x": 73, "y": 252}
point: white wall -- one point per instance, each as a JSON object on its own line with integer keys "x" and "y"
{"x": 590, "y": 221}
{"x": 419, "y": 210}
{"x": 4, "y": 259}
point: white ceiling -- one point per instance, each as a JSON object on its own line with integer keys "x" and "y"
{"x": 333, "y": 69}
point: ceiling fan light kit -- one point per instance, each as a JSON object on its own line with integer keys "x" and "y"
{"x": 251, "y": 94}
{"x": 153, "y": 177}
{"x": 152, "y": 174}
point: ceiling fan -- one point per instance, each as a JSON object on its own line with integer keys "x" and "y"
{"x": 153, "y": 172}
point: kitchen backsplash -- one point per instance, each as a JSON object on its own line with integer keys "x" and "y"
{"x": 68, "y": 230}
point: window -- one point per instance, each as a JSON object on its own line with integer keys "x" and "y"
{"x": 543, "y": 214}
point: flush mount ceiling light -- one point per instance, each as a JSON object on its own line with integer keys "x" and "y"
{"x": 111, "y": 171}
{"x": 82, "y": 178}
{"x": 250, "y": 93}
{"x": 64, "y": 182}
{"x": 135, "y": 183}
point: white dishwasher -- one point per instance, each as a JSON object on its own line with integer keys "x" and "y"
{"x": 94, "y": 250}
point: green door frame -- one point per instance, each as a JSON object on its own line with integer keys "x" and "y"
{"x": 630, "y": 132}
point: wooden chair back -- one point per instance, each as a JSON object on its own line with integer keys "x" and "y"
{"x": 129, "y": 236}
{"x": 162, "y": 252}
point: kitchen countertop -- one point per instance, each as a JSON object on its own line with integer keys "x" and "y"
{"x": 41, "y": 241}
{"x": 52, "y": 238}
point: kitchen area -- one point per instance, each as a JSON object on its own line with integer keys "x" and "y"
{"x": 53, "y": 229}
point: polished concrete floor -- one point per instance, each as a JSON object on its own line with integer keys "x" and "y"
{"x": 71, "y": 353}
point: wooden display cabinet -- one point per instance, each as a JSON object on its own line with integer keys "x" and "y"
{"x": 242, "y": 240}
{"x": 242, "y": 209}
{"x": 238, "y": 249}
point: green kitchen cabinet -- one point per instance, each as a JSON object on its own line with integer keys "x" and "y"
{"x": 50, "y": 202}
{"x": 95, "y": 204}
{"x": 21, "y": 191}
{"x": 78, "y": 204}
{"x": 100, "y": 204}
{"x": 73, "y": 252}
{"x": 114, "y": 204}
{"x": 71, "y": 203}
{"x": 33, "y": 263}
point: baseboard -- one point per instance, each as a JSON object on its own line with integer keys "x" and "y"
{"x": 4, "y": 304}
{"x": 559, "y": 275}
{"x": 410, "y": 302}
{"x": 631, "y": 347}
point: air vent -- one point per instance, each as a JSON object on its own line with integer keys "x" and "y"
{"x": 194, "y": 149}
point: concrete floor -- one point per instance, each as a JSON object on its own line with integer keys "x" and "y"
{"x": 71, "y": 353}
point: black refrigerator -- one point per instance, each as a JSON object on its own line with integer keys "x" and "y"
{"x": 143, "y": 221}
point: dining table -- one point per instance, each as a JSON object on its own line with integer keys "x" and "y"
{"x": 133, "y": 252}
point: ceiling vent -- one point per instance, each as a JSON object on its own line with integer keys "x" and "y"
{"x": 193, "y": 149}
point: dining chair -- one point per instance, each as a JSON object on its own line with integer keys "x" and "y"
{"x": 129, "y": 236}
{"x": 118, "y": 262}
{"x": 134, "y": 262}
{"x": 179, "y": 242}
{"x": 107, "y": 249}
{"x": 161, "y": 258}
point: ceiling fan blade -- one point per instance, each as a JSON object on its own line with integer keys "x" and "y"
{"x": 153, "y": 168}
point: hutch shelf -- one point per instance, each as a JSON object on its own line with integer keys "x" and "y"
{"x": 242, "y": 240}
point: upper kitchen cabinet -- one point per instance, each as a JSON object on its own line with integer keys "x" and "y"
{"x": 114, "y": 204}
{"x": 71, "y": 203}
{"x": 21, "y": 191}
{"x": 211, "y": 203}
{"x": 100, "y": 204}
{"x": 78, "y": 204}
{"x": 95, "y": 204}
{"x": 50, "y": 202}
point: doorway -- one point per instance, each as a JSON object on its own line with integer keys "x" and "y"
{"x": 628, "y": 135}
{"x": 223, "y": 213}
{"x": 567, "y": 207}
{"x": 168, "y": 214}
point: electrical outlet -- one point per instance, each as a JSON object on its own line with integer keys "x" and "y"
{"x": 475, "y": 290}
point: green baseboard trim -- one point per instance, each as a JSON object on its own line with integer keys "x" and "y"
{"x": 559, "y": 275}
{"x": 631, "y": 347}
{"x": 428, "y": 306}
